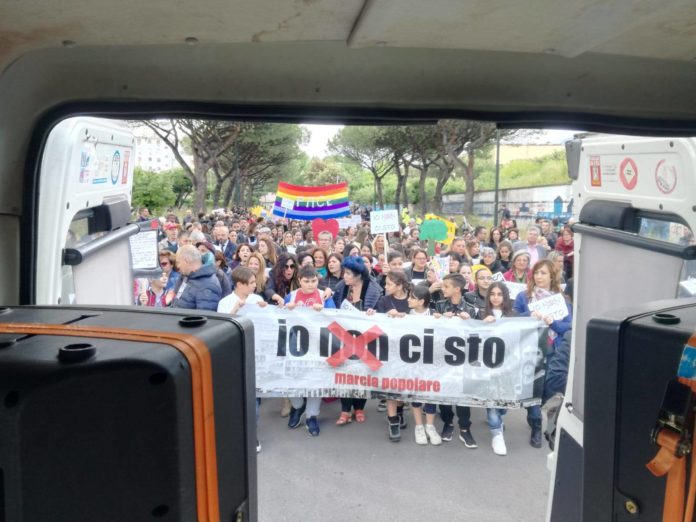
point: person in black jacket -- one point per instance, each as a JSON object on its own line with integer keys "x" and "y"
{"x": 455, "y": 305}
{"x": 394, "y": 303}
{"x": 477, "y": 299}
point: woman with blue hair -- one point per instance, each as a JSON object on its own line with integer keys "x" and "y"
{"x": 362, "y": 292}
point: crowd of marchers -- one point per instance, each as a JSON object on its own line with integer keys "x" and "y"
{"x": 231, "y": 259}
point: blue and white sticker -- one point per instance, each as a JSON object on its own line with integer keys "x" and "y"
{"x": 687, "y": 365}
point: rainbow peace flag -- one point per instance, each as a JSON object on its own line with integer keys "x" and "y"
{"x": 300, "y": 202}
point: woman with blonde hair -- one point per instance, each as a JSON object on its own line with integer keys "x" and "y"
{"x": 257, "y": 264}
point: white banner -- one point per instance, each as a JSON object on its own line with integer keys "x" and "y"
{"x": 334, "y": 353}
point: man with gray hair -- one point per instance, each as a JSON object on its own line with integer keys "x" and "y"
{"x": 325, "y": 241}
{"x": 199, "y": 288}
{"x": 531, "y": 246}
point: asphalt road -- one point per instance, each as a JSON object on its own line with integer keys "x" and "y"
{"x": 353, "y": 473}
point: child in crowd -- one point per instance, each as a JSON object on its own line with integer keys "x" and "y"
{"x": 467, "y": 273}
{"x": 394, "y": 303}
{"x": 453, "y": 286}
{"x": 505, "y": 255}
{"x": 244, "y": 281}
{"x": 419, "y": 303}
{"x": 498, "y": 306}
{"x": 308, "y": 295}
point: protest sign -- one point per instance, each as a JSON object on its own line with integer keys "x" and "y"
{"x": 441, "y": 265}
{"x": 554, "y": 305}
{"x": 143, "y": 250}
{"x": 448, "y": 360}
{"x": 383, "y": 221}
{"x": 515, "y": 288}
{"x": 350, "y": 221}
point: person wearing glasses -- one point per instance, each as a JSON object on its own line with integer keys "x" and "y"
{"x": 282, "y": 280}
{"x": 167, "y": 263}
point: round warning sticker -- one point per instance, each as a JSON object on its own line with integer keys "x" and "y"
{"x": 666, "y": 176}
{"x": 628, "y": 174}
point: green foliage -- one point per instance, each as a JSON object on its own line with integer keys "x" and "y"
{"x": 152, "y": 190}
{"x": 547, "y": 170}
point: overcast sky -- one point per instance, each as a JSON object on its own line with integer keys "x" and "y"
{"x": 321, "y": 134}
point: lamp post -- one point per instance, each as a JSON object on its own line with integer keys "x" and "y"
{"x": 497, "y": 176}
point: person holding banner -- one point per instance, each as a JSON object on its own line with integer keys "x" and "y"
{"x": 541, "y": 289}
{"x": 309, "y": 296}
{"x": 394, "y": 303}
{"x": 477, "y": 298}
{"x": 498, "y": 306}
{"x": 453, "y": 286}
{"x": 356, "y": 291}
{"x": 281, "y": 280}
{"x": 419, "y": 303}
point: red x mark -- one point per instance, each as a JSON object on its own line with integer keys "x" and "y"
{"x": 354, "y": 345}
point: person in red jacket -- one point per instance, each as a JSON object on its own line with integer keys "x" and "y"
{"x": 566, "y": 246}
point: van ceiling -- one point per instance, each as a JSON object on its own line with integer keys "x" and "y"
{"x": 628, "y": 65}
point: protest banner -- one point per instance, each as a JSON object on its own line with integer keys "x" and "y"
{"x": 554, "y": 305}
{"x": 333, "y": 353}
{"x": 308, "y": 203}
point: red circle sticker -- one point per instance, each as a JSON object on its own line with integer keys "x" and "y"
{"x": 628, "y": 173}
{"x": 665, "y": 176}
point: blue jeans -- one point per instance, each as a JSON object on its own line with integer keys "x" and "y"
{"x": 494, "y": 417}
{"x": 428, "y": 408}
{"x": 534, "y": 415}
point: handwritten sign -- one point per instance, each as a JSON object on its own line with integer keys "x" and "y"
{"x": 143, "y": 248}
{"x": 287, "y": 204}
{"x": 383, "y": 221}
{"x": 347, "y": 222}
{"x": 555, "y": 306}
{"x": 515, "y": 288}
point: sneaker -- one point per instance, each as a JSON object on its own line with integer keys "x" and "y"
{"x": 433, "y": 435}
{"x": 258, "y": 446}
{"x": 382, "y": 405}
{"x": 402, "y": 421}
{"x": 498, "y": 444}
{"x": 467, "y": 438}
{"x": 295, "y": 417}
{"x": 312, "y": 425}
{"x": 446, "y": 433}
{"x": 421, "y": 438}
{"x": 394, "y": 429}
